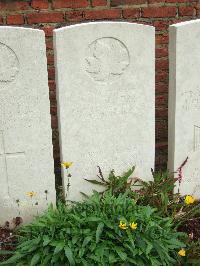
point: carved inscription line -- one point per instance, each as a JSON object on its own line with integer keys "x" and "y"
{"x": 196, "y": 138}
{"x": 4, "y": 155}
{"x": 191, "y": 100}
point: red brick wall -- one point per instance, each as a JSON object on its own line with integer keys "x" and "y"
{"x": 50, "y": 14}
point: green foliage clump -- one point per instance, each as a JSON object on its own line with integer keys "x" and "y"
{"x": 157, "y": 193}
{"x": 114, "y": 183}
{"x": 193, "y": 254}
{"x": 88, "y": 233}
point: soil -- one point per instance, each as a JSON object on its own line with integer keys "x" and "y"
{"x": 7, "y": 237}
{"x": 7, "y": 241}
{"x": 192, "y": 228}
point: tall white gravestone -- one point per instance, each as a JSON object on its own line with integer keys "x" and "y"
{"x": 184, "y": 104}
{"x": 105, "y": 80}
{"x": 26, "y": 159}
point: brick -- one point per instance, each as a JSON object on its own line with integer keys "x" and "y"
{"x": 161, "y": 130}
{"x": 57, "y": 159}
{"x": 161, "y": 156}
{"x": 161, "y": 145}
{"x": 17, "y": 5}
{"x": 161, "y": 52}
{"x": 161, "y": 25}
{"x": 1, "y": 20}
{"x": 162, "y": 64}
{"x": 45, "y": 18}
{"x": 161, "y": 100}
{"x": 160, "y": 162}
{"x": 56, "y": 156}
{"x": 161, "y": 112}
{"x": 49, "y": 44}
{"x": 53, "y": 110}
{"x": 127, "y": 2}
{"x": 102, "y": 14}
{"x": 161, "y": 87}
{"x": 54, "y": 122}
{"x": 198, "y": 10}
{"x": 156, "y": 1}
{"x": 15, "y": 19}
{"x": 40, "y": 4}
{"x": 23, "y": 5}
{"x": 99, "y": 3}
{"x": 160, "y": 12}
{"x": 70, "y": 3}
{"x": 131, "y": 13}
{"x": 178, "y": 20}
{"x": 162, "y": 39}
{"x": 51, "y": 73}
{"x": 48, "y": 31}
{"x": 2, "y": 6}
{"x": 177, "y": 1}
{"x": 149, "y": 23}
{"x": 52, "y": 96}
{"x": 186, "y": 11}
{"x": 162, "y": 76}
{"x": 52, "y": 85}
{"x": 53, "y": 103}
{"x": 74, "y": 15}
{"x": 161, "y": 142}
{"x": 50, "y": 59}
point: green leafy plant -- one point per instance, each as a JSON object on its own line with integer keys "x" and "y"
{"x": 115, "y": 183}
{"x": 158, "y": 193}
{"x": 103, "y": 230}
{"x": 193, "y": 250}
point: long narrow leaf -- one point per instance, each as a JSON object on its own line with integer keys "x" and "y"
{"x": 95, "y": 182}
{"x": 35, "y": 260}
{"x": 99, "y": 231}
{"x": 69, "y": 255}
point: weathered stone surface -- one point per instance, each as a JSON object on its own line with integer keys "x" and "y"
{"x": 184, "y": 104}
{"x": 105, "y": 81}
{"x": 26, "y": 160}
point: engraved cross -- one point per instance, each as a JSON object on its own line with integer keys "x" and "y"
{"x": 5, "y": 155}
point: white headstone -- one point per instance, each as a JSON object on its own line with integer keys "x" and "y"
{"x": 105, "y": 81}
{"x": 26, "y": 160}
{"x": 184, "y": 104}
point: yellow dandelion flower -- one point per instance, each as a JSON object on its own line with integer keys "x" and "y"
{"x": 66, "y": 165}
{"x": 181, "y": 252}
{"x": 122, "y": 225}
{"x": 31, "y": 194}
{"x": 133, "y": 226}
{"x": 189, "y": 200}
